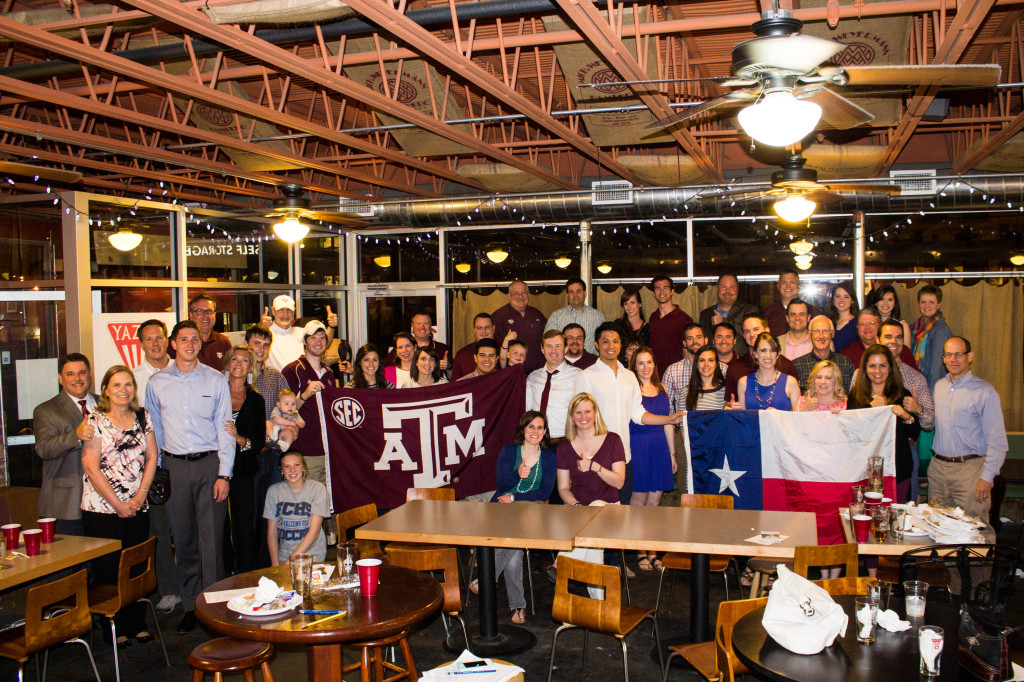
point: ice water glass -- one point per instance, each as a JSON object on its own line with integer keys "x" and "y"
{"x": 867, "y": 619}
{"x": 929, "y": 639}
{"x": 915, "y": 597}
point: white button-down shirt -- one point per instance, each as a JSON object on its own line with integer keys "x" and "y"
{"x": 142, "y": 373}
{"x": 617, "y": 395}
{"x": 562, "y": 391}
{"x": 286, "y": 347}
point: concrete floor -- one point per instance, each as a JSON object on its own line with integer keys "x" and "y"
{"x": 144, "y": 662}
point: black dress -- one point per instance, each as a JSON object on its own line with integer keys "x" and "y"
{"x": 250, "y": 422}
{"x": 905, "y": 433}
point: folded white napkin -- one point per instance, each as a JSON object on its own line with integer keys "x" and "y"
{"x": 890, "y": 621}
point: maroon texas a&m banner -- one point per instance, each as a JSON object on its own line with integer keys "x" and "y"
{"x": 382, "y": 442}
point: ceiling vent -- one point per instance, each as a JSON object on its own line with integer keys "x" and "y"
{"x": 611, "y": 192}
{"x": 915, "y": 183}
{"x": 360, "y": 207}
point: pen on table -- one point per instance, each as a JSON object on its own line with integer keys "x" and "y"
{"x": 471, "y": 672}
{"x": 321, "y": 620}
{"x": 320, "y": 612}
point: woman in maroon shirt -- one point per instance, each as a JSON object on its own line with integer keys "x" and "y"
{"x": 591, "y": 459}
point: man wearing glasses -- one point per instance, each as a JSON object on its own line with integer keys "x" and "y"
{"x": 203, "y": 311}
{"x": 970, "y": 436}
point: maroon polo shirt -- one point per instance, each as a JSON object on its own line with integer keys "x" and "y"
{"x": 212, "y": 352}
{"x": 464, "y": 363}
{"x": 667, "y": 336}
{"x": 776, "y": 316}
{"x": 744, "y": 365}
{"x": 855, "y": 351}
{"x": 529, "y": 328}
{"x": 298, "y": 374}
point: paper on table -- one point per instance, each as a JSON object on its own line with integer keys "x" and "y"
{"x": 226, "y": 595}
{"x": 502, "y": 672}
{"x": 767, "y": 539}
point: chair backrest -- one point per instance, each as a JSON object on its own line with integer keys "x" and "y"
{"x": 600, "y": 615}
{"x": 43, "y": 633}
{"x": 441, "y": 559}
{"x": 728, "y": 613}
{"x": 841, "y": 586}
{"x": 131, "y": 588}
{"x": 808, "y": 556}
{"x": 706, "y": 501}
{"x": 442, "y": 494}
{"x": 353, "y": 518}
{"x": 977, "y": 574}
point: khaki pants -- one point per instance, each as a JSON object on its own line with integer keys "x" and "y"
{"x": 951, "y": 484}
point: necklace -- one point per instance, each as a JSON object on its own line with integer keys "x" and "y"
{"x": 535, "y": 469}
{"x": 764, "y": 404}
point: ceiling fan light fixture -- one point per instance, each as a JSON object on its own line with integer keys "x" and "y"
{"x": 497, "y": 255}
{"x": 604, "y": 268}
{"x": 124, "y": 239}
{"x": 804, "y": 258}
{"x": 803, "y": 266}
{"x": 383, "y": 261}
{"x": 563, "y": 262}
{"x": 291, "y": 230}
{"x": 463, "y": 267}
{"x": 780, "y": 119}
{"x": 801, "y": 247}
{"x": 794, "y": 208}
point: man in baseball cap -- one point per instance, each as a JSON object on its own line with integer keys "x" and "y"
{"x": 288, "y": 340}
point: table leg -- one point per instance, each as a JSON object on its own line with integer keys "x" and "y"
{"x": 699, "y": 574}
{"x": 493, "y": 639}
{"x": 323, "y": 663}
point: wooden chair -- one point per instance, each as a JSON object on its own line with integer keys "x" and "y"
{"x": 65, "y": 626}
{"x": 608, "y": 616}
{"x": 353, "y": 518}
{"x": 806, "y": 557}
{"x": 442, "y": 494}
{"x": 107, "y": 600}
{"x": 226, "y": 654}
{"x": 851, "y": 586}
{"x": 433, "y": 561}
{"x": 705, "y": 657}
{"x": 680, "y": 561}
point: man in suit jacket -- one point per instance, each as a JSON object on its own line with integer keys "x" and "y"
{"x": 60, "y": 428}
{"x": 729, "y": 310}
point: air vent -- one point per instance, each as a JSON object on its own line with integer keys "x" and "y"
{"x": 359, "y": 207}
{"x": 610, "y": 192}
{"x": 915, "y": 182}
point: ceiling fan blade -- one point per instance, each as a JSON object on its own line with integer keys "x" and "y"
{"x": 836, "y": 111}
{"x": 728, "y": 99}
{"x": 882, "y": 190}
{"x": 742, "y": 196}
{"x": 345, "y": 219}
{"x": 954, "y": 75}
{"x": 44, "y": 172}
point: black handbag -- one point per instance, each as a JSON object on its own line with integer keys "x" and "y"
{"x": 982, "y": 648}
{"x": 160, "y": 486}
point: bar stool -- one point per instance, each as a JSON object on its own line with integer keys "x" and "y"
{"x": 373, "y": 666}
{"x": 226, "y": 654}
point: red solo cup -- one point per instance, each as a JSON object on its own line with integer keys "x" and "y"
{"x": 872, "y": 500}
{"x": 32, "y": 540}
{"x": 369, "y": 576}
{"x": 862, "y": 527}
{"x": 48, "y": 526}
{"x": 886, "y": 502}
{"x": 11, "y": 533}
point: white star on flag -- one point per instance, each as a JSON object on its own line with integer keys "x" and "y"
{"x": 728, "y": 477}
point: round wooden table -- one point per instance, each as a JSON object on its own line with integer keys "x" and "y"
{"x": 403, "y": 598}
{"x": 893, "y": 655}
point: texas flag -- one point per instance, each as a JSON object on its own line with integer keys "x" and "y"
{"x": 790, "y": 461}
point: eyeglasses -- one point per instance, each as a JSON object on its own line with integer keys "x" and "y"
{"x": 867, "y": 324}
{"x": 950, "y": 356}
{"x": 204, "y": 313}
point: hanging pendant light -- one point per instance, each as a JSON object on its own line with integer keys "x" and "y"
{"x": 124, "y": 239}
{"x": 497, "y": 255}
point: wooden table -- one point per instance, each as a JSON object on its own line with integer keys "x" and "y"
{"x": 701, "y": 532}
{"x": 893, "y": 655}
{"x": 485, "y": 525}
{"x": 890, "y": 547}
{"x": 403, "y": 598}
{"x": 64, "y": 552}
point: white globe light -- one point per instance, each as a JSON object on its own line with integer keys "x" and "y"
{"x": 780, "y": 119}
{"x": 794, "y": 208}
{"x": 291, "y": 230}
{"x": 124, "y": 239}
{"x": 497, "y": 255}
{"x": 803, "y": 266}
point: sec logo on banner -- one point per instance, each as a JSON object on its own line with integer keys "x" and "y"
{"x": 348, "y": 412}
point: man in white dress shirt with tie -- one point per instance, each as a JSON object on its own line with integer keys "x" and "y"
{"x": 550, "y": 388}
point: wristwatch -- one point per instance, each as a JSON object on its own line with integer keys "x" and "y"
{"x": 224, "y": 478}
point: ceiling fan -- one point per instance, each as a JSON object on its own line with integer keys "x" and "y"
{"x": 791, "y": 89}
{"x": 294, "y": 207}
{"x": 799, "y": 191}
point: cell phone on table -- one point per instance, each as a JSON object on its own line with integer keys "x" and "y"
{"x": 469, "y": 665}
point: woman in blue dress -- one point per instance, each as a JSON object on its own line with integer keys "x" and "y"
{"x": 654, "y": 461}
{"x": 843, "y": 313}
{"x": 766, "y": 388}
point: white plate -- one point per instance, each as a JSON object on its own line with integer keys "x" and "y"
{"x": 908, "y": 534}
{"x": 239, "y": 606}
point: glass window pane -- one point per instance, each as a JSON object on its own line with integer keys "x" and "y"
{"x": 31, "y": 242}
{"x": 134, "y": 299}
{"x": 321, "y": 261}
{"x": 150, "y": 257}
{"x": 533, "y": 253}
{"x": 626, "y": 251}
{"x": 398, "y": 258}
{"x": 214, "y": 257}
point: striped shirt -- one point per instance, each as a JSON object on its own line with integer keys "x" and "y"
{"x": 969, "y": 421}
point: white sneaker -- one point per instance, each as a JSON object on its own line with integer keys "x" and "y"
{"x": 168, "y": 603}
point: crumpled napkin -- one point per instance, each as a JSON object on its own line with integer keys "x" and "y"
{"x": 890, "y": 621}
{"x": 266, "y": 591}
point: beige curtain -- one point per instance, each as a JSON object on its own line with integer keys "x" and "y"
{"x": 992, "y": 318}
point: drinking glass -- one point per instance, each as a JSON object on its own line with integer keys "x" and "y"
{"x": 348, "y": 555}
{"x": 929, "y": 639}
{"x": 915, "y": 596}
{"x": 899, "y": 522}
{"x": 867, "y": 619}
{"x": 878, "y": 592}
{"x": 875, "y": 473}
{"x": 858, "y": 493}
{"x": 301, "y": 566}
{"x": 880, "y": 524}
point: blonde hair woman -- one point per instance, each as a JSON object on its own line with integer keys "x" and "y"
{"x": 824, "y": 390}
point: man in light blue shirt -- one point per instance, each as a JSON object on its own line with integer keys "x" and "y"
{"x": 190, "y": 404}
{"x": 577, "y": 311}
